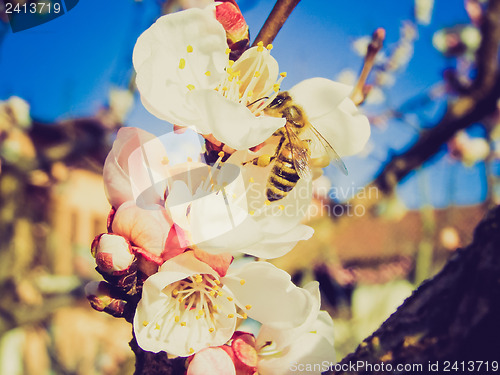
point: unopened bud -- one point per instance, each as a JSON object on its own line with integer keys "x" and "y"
{"x": 113, "y": 253}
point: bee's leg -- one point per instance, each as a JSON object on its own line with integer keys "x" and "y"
{"x": 261, "y": 161}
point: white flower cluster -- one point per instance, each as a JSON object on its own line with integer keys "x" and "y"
{"x": 185, "y": 222}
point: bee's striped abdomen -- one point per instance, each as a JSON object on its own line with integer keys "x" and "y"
{"x": 283, "y": 176}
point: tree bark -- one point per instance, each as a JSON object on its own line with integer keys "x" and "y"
{"x": 452, "y": 317}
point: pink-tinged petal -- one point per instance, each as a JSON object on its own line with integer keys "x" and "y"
{"x": 187, "y": 264}
{"x": 173, "y": 244}
{"x": 217, "y": 114}
{"x": 211, "y": 361}
{"x": 147, "y": 229}
{"x": 333, "y": 114}
{"x": 220, "y": 263}
{"x": 133, "y": 169}
{"x": 273, "y": 299}
{"x": 244, "y": 349}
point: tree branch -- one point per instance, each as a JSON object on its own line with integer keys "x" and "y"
{"x": 453, "y": 316}
{"x": 476, "y": 103}
{"x": 275, "y": 21}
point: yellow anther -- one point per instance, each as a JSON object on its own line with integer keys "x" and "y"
{"x": 189, "y": 159}
{"x": 242, "y": 282}
{"x": 231, "y": 78}
{"x": 175, "y": 292}
{"x": 244, "y": 316}
{"x": 252, "y": 213}
{"x": 228, "y": 51}
{"x": 269, "y": 46}
{"x": 177, "y": 319}
{"x": 282, "y": 207}
{"x": 267, "y": 203}
{"x": 250, "y": 93}
{"x": 201, "y": 312}
{"x": 208, "y": 73}
{"x": 215, "y": 307}
{"x": 164, "y": 160}
{"x": 231, "y": 62}
{"x": 157, "y": 326}
{"x": 211, "y": 330}
{"x": 145, "y": 323}
{"x": 260, "y": 46}
{"x": 198, "y": 317}
{"x": 180, "y": 299}
{"x": 189, "y": 48}
{"x": 225, "y": 88}
{"x": 257, "y": 74}
{"x": 183, "y": 324}
{"x": 313, "y": 332}
{"x": 212, "y": 293}
{"x": 276, "y": 87}
{"x": 182, "y": 64}
{"x": 219, "y": 293}
{"x": 229, "y": 298}
{"x": 190, "y": 87}
{"x": 217, "y": 281}
{"x": 229, "y": 70}
{"x": 283, "y": 74}
{"x": 239, "y": 83}
{"x": 191, "y": 350}
{"x": 221, "y": 155}
{"x": 251, "y": 180}
{"x": 248, "y": 307}
{"x": 230, "y": 316}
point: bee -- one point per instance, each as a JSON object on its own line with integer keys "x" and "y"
{"x": 292, "y": 159}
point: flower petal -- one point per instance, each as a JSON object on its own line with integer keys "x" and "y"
{"x": 211, "y": 361}
{"x": 273, "y": 299}
{"x": 333, "y": 114}
{"x": 155, "y": 325}
{"x": 133, "y": 169}
{"x": 230, "y": 122}
{"x": 196, "y": 37}
{"x": 312, "y": 348}
{"x": 147, "y": 229}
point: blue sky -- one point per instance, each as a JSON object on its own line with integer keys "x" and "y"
{"x": 66, "y": 67}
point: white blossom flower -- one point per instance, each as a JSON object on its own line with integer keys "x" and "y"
{"x": 187, "y": 306}
{"x": 276, "y": 351}
{"x": 220, "y": 209}
{"x": 185, "y": 77}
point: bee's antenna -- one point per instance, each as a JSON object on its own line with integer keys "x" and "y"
{"x": 258, "y": 100}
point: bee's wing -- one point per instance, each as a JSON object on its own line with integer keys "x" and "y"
{"x": 300, "y": 154}
{"x": 315, "y": 136}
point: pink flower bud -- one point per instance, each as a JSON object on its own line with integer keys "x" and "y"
{"x": 229, "y": 15}
{"x": 113, "y": 253}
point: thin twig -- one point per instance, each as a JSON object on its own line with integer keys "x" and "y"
{"x": 275, "y": 21}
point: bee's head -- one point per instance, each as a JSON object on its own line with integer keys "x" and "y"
{"x": 280, "y": 100}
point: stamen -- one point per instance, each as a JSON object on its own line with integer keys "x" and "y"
{"x": 260, "y": 46}
{"x": 229, "y": 299}
{"x": 252, "y": 213}
{"x": 230, "y": 316}
{"x": 208, "y": 73}
{"x": 281, "y": 207}
{"x": 211, "y": 330}
{"x": 189, "y": 48}
{"x": 221, "y": 155}
{"x": 183, "y": 324}
{"x": 228, "y": 51}
{"x": 283, "y": 74}
{"x": 190, "y": 87}
{"x": 231, "y": 62}
{"x": 248, "y": 307}
{"x": 267, "y": 203}
{"x": 242, "y": 282}
{"x": 269, "y": 46}
{"x": 191, "y": 350}
{"x": 157, "y": 326}
{"x": 145, "y": 323}
{"x": 177, "y": 319}
{"x": 165, "y": 160}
